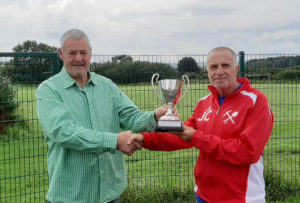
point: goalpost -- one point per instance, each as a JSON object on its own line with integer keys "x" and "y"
{"x": 259, "y": 78}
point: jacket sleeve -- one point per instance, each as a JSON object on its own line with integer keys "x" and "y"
{"x": 164, "y": 142}
{"x": 191, "y": 122}
{"x": 167, "y": 141}
{"x": 248, "y": 146}
{"x": 58, "y": 126}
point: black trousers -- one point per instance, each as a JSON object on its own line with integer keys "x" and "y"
{"x": 114, "y": 201}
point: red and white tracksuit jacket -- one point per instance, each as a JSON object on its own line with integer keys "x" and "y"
{"x": 231, "y": 139}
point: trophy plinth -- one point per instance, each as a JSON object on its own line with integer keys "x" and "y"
{"x": 168, "y": 125}
{"x": 170, "y": 91}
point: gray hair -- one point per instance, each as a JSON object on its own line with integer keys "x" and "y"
{"x": 75, "y": 34}
{"x": 234, "y": 55}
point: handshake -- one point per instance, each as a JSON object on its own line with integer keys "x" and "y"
{"x": 129, "y": 142}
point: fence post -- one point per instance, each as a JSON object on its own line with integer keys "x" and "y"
{"x": 57, "y": 64}
{"x": 242, "y": 63}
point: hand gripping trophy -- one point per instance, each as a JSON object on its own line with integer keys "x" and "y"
{"x": 170, "y": 92}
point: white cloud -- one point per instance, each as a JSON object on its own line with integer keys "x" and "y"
{"x": 283, "y": 34}
{"x": 156, "y": 27}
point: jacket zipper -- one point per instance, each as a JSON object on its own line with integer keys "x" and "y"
{"x": 218, "y": 110}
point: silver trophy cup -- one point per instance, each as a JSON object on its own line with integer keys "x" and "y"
{"x": 170, "y": 93}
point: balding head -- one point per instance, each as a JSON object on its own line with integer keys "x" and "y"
{"x": 234, "y": 56}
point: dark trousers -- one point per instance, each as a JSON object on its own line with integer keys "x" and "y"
{"x": 114, "y": 201}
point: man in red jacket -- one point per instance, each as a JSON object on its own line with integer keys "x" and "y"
{"x": 230, "y": 127}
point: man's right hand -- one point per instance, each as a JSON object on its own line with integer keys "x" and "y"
{"x": 136, "y": 138}
{"x": 125, "y": 145}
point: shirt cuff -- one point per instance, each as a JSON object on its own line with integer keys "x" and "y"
{"x": 152, "y": 122}
{"x": 109, "y": 140}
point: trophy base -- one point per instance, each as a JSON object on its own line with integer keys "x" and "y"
{"x": 167, "y": 125}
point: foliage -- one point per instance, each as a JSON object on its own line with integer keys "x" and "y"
{"x": 292, "y": 73}
{"x": 201, "y": 76}
{"x": 122, "y": 59}
{"x": 7, "y": 103}
{"x": 29, "y": 69}
{"x": 187, "y": 64}
{"x": 33, "y": 46}
{"x": 275, "y": 74}
{"x": 125, "y": 71}
{"x": 274, "y": 62}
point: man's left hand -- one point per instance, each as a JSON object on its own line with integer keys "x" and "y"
{"x": 161, "y": 111}
{"x": 186, "y": 134}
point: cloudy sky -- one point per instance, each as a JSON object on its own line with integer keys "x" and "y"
{"x": 156, "y": 26}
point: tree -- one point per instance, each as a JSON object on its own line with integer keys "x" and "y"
{"x": 134, "y": 72}
{"x": 7, "y": 103}
{"x": 122, "y": 59}
{"x": 274, "y": 62}
{"x": 33, "y": 46}
{"x": 187, "y": 64}
{"x": 29, "y": 69}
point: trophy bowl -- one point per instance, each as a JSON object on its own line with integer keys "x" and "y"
{"x": 170, "y": 93}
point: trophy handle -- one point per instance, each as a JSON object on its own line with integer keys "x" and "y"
{"x": 152, "y": 79}
{"x": 186, "y": 80}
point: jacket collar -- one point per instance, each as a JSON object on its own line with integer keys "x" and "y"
{"x": 242, "y": 80}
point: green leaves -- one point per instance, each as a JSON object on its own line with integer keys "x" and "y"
{"x": 7, "y": 102}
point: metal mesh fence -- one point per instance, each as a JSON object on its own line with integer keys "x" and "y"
{"x": 278, "y": 77}
{"x": 23, "y": 153}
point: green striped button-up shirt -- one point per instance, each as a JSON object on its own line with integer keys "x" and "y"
{"x": 81, "y": 127}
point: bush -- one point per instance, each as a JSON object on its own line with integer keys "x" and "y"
{"x": 28, "y": 70}
{"x": 7, "y": 103}
{"x": 289, "y": 74}
{"x": 127, "y": 72}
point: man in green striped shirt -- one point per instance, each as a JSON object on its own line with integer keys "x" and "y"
{"x": 82, "y": 114}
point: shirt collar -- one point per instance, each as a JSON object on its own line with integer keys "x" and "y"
{"x": 67, "y": 81}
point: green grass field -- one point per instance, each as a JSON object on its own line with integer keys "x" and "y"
{"x": 152, "y": 176}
